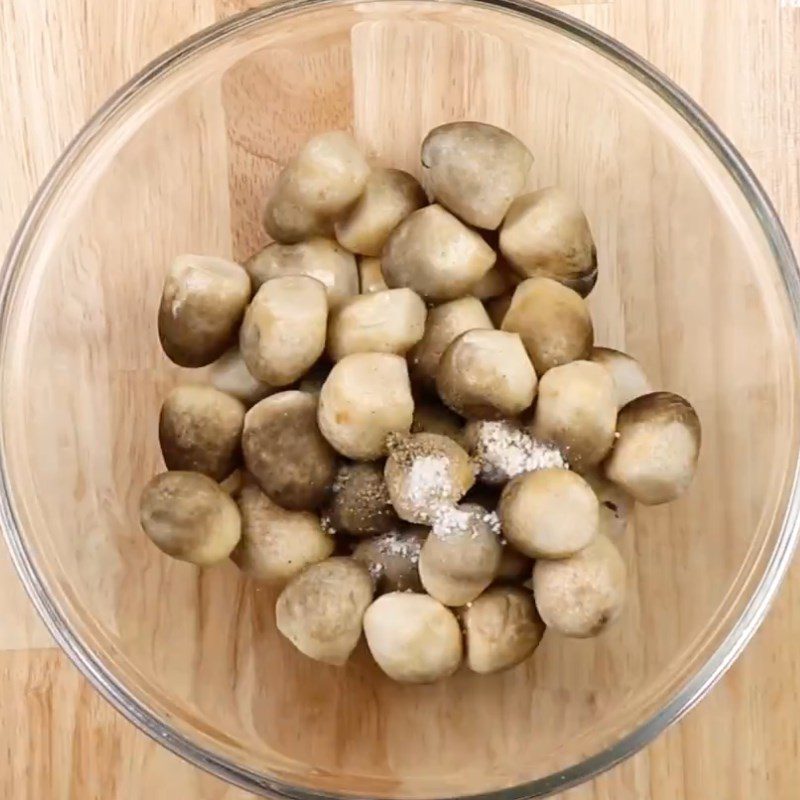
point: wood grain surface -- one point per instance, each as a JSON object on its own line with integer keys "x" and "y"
{"x": 59, "y": 61}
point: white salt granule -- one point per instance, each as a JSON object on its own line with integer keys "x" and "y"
{"x": 327, "y": 525}
{"x": 429, "y": 482}
{"x": 342, "y": 477}
{"x": 375, "y": 570}
{"x": 504, "y": 450}
{"x": 493, "y": 521}
{"x": 452, "y": 520}
{"x": 396, "y": 544}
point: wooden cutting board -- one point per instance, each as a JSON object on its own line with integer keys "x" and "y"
{"x": 58, "y": 62}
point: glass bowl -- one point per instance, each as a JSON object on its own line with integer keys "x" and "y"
{"x": 697, "y": 280}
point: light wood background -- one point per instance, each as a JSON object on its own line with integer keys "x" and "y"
{"x": 58, "y": 62}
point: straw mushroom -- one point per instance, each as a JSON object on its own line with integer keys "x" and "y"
{"x": 413, "y": 638}
{"x": 502, "y": 628}
{"x": 284, "y": 329}
{"x": 189, "y": 517}
{"x": 582, "y": 595}
{"x": 199, "y": 430}
{"x": 546, "y": 234}
{"x": 486, "y": 374}
{"x": 202, "y": 304}
{"x": 366, "y": 397}
{"x": 475, "y": 170}
{"x": 655, "y": 456}
{"x": 577, "y": 410}
{"x": 285, "y": 451}
{"x": 277, "y": 544}
{"x": 319, "y": 258}
{"x": 550, "y": 513}
{"x": 553, "y": 322}
{"x": 321, "y": 610}
{"x": 435, "y": 254}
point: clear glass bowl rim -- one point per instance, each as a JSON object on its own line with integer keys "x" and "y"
{"x": 754, "y": 612}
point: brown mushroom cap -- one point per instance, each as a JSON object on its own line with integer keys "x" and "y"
{"x": 443, "y": 325}
{"x": 498, "y": 281}
{"x": 389, "y": 196}
{"x": 360, "y": 503}
{"x": 284, "y": 329}
{"x": 391, "y": 321}
{"x": 461, "y": 556}
{"x": 229, "y": 374}
{"x": 630, "y": 380}
{"x": 550, "y": 513}
{"x": 577, "y": 410}
{"x": 514, "y": 566}
{"x": 502, "y": 628}
{"x": 475, "y": 170}
{"x": 486, "y": 374}
{"x": 413, "y": 638}
{"x": 286, "y": 453}
{"x": 319, "y": 258}
{"x": 202, "y": 304}
{"x": 431, "y": 416}
{"x": 322, "y": 608}
{"x": 392, "y": 558}
{"x": 655, "y": 455}
{"x": 546, "y": 234}
{"x": 435, "y": 254}
{"x": 277, "y": 544}
{"x": 286, "y": 217}
{"x": 366, "y": 397}
{"x": 189, "y": 517}
{"x": 582, "y": 595}
{"x": 199, "y": 429}
{"x": 503, "y": 449}
{"x": 553, "y": 321}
